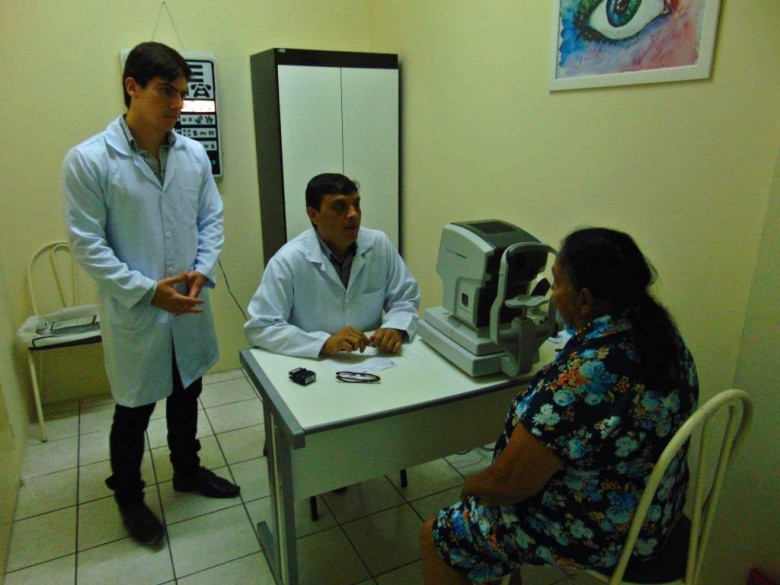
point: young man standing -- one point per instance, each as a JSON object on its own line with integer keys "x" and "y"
{"x": 144, "y": 219}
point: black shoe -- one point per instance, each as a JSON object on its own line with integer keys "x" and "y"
{"x": 141, "y": 523}
{"x": 205, "y": 482}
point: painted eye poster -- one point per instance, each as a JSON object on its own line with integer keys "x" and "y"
{"x": 621, "y": 42}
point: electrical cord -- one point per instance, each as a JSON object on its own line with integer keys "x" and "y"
{"x": 230, "y": 292}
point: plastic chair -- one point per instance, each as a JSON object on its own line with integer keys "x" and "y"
{"x": 70, "y": 324}
{"x": 680, "y": 562}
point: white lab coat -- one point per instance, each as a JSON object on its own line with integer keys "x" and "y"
{"x": 128, "y": 232}
{"x": 301, "y": 300}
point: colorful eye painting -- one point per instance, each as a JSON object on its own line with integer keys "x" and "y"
{"x": 640, "y": 37}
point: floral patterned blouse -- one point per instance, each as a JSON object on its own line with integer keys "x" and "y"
{"x": 608, "y": 428}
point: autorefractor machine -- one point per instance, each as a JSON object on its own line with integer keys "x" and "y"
{"x": 497, "y": 310}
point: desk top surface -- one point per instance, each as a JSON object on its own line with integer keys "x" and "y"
{"x": 423, "y": 377}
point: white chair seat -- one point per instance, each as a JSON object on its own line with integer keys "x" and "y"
{"x": 36, "y": 332}
{"x": 71, "y": 324}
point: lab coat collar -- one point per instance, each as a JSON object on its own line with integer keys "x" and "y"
{"x": 316, "y": 255}
{"x": 117, "y": 140}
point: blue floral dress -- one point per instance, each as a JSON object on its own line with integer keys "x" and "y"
{"x": 608, "y": 428}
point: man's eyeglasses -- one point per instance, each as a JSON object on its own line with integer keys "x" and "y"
{"x": 168, "y": 92}
{"x": 357, "y": 377}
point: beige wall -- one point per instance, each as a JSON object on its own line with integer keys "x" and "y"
{"x": 749, "y": 523}
{"x": 684, "y": 167}
{"x": 59, "y": 65}
{"x": 13, "y": 422}
{"x": 62, "y": 61}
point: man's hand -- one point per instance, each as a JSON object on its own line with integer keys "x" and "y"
{"x": 387, "y": 340}
{"x": 348, "y": 339}
{"x": 195, "y": 282}
{"x": 167, "y": 299}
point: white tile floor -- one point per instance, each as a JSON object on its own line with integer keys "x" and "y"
{"x": 67, "y": 529}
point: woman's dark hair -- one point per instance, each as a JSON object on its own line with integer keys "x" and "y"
{"x": 328, "y": 184}
{"x": 149, "y": 60}
{"x": 610, "y": 264}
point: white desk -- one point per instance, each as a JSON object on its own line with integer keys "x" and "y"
{"x": 331, "y": 434}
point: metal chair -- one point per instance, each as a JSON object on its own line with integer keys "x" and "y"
{"x": 53, "y": 270}
{"x": 680, "y": 562}
{"x": 688, "y": 543}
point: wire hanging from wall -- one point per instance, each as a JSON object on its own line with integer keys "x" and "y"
{"x": 164, "y": 4}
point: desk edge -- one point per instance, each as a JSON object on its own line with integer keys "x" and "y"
{"x": 290, "y": 424}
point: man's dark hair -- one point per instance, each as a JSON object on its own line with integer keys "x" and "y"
{"x": 149, "y": 60}
{"x": 328, "y": 184}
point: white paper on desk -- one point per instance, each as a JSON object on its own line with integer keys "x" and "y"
{"x": 368, "y": 362}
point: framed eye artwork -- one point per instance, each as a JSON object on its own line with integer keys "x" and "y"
{"x": 601, "y": 43}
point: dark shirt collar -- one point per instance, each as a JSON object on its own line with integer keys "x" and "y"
{"x": 351, "y": 251}
{"x": 170, "y": 137}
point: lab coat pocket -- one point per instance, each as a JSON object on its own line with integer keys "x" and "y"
{"x": 186, "y": 201}
{"x": 371, "y": 305}
{"x": 136, "y": 319}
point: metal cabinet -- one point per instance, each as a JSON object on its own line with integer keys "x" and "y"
{"x": 325, "y": 111}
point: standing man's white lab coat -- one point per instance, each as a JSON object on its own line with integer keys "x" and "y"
{"x": 128, "y": 232}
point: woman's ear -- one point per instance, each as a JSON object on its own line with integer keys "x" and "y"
{"x": 586, "y": 303}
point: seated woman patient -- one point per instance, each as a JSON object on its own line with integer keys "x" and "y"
{"x": 581, "y": 440}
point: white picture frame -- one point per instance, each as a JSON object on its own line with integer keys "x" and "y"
{"x": 595, "y": 45}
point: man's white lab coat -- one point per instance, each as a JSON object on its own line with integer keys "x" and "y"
{"x": 128, "y": 232}
{"x": 301, "y": 300}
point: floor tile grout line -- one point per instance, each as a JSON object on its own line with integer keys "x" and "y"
{"x": 354, "y": 548}
{"x": 162, "y": 506}
{"x": 406, "y": 499}
{"x": 220, "y": 564}
{"x": 409, "y": 564}
{"x": 342, "y": 524}
{"x": 78, "y": 509}
{"x": 51, "y": 560}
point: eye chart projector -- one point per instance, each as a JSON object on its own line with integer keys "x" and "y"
{"x": 494, "y": 317}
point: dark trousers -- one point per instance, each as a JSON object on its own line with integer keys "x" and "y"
{"x": 127, "y": 439}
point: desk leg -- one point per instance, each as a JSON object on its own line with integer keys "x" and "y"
{"x": 279, "y": 539}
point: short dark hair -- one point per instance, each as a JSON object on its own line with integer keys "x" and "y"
{"x": 149, "y": 60}
{"x": 328, "y": 184}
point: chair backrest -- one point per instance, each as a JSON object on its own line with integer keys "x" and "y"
{"x": 54, "y": 278}
{"x": 724, "y": 441}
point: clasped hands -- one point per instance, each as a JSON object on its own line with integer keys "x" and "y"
{"x": 167, "y": 298}
{"x": 351, "y": 339}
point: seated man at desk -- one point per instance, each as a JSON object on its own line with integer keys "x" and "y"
{"x": 326, "y": 287}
